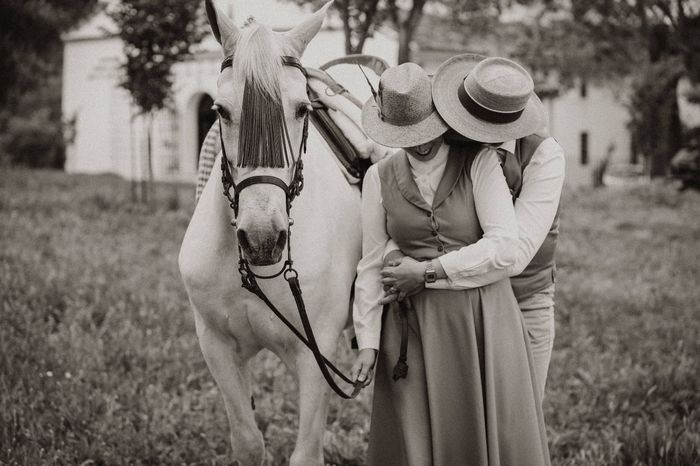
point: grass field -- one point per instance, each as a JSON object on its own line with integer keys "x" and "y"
{"x": 99, "y": 362}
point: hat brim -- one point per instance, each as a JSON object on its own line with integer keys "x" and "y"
{"x": 390, "y": 135}
{"x": 450, "y": 76}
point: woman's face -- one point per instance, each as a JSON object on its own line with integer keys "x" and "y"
{"x": 427, "y": 151}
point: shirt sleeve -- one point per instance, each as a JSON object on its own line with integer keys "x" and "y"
{"x": 535, "y": 209}
{"x": 390, "y": 247}
{"x": 496, "y": 250}
{"x": 367, "y": 311}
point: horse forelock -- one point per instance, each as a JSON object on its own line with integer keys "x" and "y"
{"x": 258, "y": 65}
{"x": 257, "y": 59}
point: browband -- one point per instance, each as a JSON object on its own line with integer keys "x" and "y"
{"x": 286, "y": 60}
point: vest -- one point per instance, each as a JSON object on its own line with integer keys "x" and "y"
{"x": 540, "y": 273}
{"x": 421, "y": 230}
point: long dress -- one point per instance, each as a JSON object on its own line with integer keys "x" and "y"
{"x": 469, "y": 397}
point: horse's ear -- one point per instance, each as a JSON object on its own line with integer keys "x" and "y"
{"x": 224, "y": 30}
{"x": 301, "y": 35}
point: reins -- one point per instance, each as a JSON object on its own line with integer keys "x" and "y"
{"x": 288, "y": 272}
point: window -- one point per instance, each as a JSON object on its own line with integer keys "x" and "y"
{"x": 584, "y": 148}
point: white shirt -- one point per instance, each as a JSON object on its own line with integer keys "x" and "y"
{"x": 535, "y": 208}
{"x": 494, "y": 207}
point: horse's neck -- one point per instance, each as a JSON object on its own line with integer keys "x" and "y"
{"x": 212, "y": 215}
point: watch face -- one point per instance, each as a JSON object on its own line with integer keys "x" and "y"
{"x": 430, "y": 276}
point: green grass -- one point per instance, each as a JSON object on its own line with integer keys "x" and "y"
{"x": 99, "y": 362}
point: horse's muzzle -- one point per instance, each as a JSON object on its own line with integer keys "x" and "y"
{"x": 262, "y": 250}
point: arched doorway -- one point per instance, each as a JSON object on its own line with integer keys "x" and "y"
{"x": 205, "y": 118}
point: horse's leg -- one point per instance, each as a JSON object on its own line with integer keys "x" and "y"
{"x": 227, "y": 363}
{"x": 314, "y": 395}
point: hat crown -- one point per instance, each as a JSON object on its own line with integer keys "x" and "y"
{"x": 405, "y": 95}
{"x": 499, "y": 85}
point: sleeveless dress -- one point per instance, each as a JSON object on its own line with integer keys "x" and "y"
{"x": 469, "y": 397}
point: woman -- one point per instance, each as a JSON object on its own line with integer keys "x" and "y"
{"x": 467, "y": 394}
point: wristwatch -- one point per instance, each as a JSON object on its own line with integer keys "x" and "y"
{"x": 430, "y": 273}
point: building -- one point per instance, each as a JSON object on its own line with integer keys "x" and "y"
{"x": 107, "y": 137}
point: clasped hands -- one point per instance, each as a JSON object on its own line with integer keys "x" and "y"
{"x": 402, "y": 276}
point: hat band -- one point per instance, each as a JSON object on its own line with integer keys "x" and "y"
{"x": 403, "y": 121}
{"x": 484, "y": 113}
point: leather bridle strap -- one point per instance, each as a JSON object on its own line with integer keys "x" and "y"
{"x": 263, "y": 179}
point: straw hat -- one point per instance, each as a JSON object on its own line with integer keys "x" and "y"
{"x": 403, "y": 114}
{"x": 487, "y": 99}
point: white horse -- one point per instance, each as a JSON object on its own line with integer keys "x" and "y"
{"x": 232, "y": 324}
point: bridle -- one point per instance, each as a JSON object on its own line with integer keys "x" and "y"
{"x": 291, "y": 191}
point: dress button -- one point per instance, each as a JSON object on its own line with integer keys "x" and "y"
{"x": 434, "y": 233}
{"x": 440, "y": 248}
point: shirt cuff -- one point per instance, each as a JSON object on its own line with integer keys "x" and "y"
{"x": 367, "y": 340}
{"x": 439, "y": 284}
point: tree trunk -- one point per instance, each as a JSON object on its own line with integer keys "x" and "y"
{"x": 404, "y": 44}
{"x": 347, "y": 31}
{"x": 149, "y": 157}
{"x": 132, "y": 159}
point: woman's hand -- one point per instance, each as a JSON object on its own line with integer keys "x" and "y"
{"x": 362, "y": 370}
{"x": 403, "y": 280}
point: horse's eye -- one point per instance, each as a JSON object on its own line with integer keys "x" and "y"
{"x": 222, "y": 112}
{"x": 303, "y": 109}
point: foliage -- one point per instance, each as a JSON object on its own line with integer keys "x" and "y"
{"x": 30, "y": 42}
{"x": 30, "y": 86}
{"x": 653, "y": 108}
{"x": 361, "y": 18}
{"x": 33, "y": 132}
{"x": 156, "y": 35}
{"x": 99, "y": 362}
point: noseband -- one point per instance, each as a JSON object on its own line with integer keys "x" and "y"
{"x": 291, "y": 191}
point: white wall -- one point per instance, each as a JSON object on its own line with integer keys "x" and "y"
{"x": 91, "y": 96}
{"x": 602, "y": 115}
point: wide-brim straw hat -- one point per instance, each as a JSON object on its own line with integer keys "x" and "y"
{"x": 489, "y": 100}
{"x": 403, "y": 114}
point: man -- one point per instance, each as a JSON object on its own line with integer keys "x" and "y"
{"x": 534, "y": 169}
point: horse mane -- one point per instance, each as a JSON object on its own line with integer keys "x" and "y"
{"x": 257, "y": 62}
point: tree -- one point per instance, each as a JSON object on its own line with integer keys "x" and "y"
{"x": 30, "y": 78}
{"x": 30, "y": 40}
{"x": 663, "y": 37}
{"x": 361, "y": 18}
{"x": 156, "y": 35}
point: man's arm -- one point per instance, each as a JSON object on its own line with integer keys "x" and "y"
{"x": 496, "y": 215}
{"x": 535, "y": 210}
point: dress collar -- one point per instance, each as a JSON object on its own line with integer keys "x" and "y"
{"x": 407, "y": 185}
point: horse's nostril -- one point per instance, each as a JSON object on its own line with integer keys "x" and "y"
{"x": 282, "y": 239}
{"x": 243, "y": 239}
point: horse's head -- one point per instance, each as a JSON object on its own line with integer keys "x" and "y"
{"x": 263, "y": 107}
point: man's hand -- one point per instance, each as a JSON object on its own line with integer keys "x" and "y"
{"x": 392, "y": 259}
{"x": 362, "y": 370}
{"x": 404, "y": 279}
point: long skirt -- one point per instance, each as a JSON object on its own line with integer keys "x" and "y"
{"x": 469, "y": 397}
